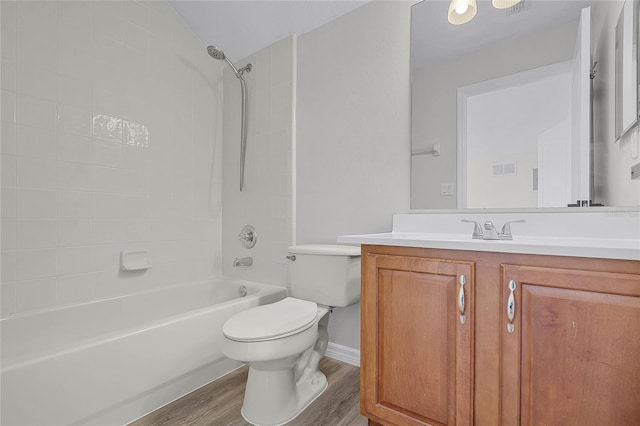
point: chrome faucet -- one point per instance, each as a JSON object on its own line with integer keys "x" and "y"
{"x": 490, "y": 232}
{"x": 244, "y": 261}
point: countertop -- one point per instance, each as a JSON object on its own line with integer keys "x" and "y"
{"x": 594, "y": 233}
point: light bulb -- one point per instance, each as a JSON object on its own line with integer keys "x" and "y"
{"x": 461, "y": 7}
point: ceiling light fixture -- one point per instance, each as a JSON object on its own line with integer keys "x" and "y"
{"x": 462, "y": 11}
{"x": 504, "y": 4}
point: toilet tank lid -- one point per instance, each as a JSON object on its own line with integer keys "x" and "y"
{"x": 325, "y": 249}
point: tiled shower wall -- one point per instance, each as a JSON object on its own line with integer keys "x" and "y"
{"x": 268, "y": 199}
{"x": 110, "y": 111}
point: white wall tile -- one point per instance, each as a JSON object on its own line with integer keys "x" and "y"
{"x": 8, "y": 106}
{"x": 34, "y": 234}
{"x": 107, "y": 179}
{"x": 75, "y": 91}
{"x": 75, "y": 176}
{"x": 35, "y": 294}
{"x": 32, "y": 264}
{"x": 107, "y": 206}
{"x": 108, "y": 231}
{"x": 8, "y": 142}
{"x": 8, "y": 266}
{"x": 8, "y": 234}
{"x": 8, "y": 77}
{"x": 106, "y": 153}
{"x": 36, "y": 203}
{"x": 75, "y": 204}
{"x": 9, "y": 170}
{"x": 137, "y": 13}
{"x": 37, "y": 33}
{"x": 35, "y": 112}
{"x": 75, "y": 289}
{"x": 8, "y": 31}
{"x": 136, "y": 37}
{"x": 36, "y": 142}
{"x": 74, "y": 120}
{"x": 74, "y": 148}
{"x": 77, "y": 184}
{"x": 107, "y": 20}
{"x": 7, "y": 297}
{"x": 74, "y": 232}
{"x": 36, "y": 82}
{"x": 106, "y": 257}
{"x": 39, "y": 173}
{"x": 74, "y": 260}
{"x": 8, "y": 206}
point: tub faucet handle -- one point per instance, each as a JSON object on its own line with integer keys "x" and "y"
{"x": 248, "y": 236}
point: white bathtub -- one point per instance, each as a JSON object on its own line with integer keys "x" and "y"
{"x": 112, "y": 361}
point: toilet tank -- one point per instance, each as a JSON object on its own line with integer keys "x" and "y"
{"x": 326, "y": 274}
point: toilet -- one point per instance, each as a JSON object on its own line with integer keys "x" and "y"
{"x": 283, "y": 342}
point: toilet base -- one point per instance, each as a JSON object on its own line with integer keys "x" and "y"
{"x": 275, "y": 408}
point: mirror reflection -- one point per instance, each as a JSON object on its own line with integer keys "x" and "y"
{"x": 501, "y": 104}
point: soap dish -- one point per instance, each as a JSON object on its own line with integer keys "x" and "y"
{"x": 134, "y": 260}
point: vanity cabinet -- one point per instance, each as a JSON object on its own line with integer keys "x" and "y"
{"x": 571, "y": 350}
{"x": 417, "y": 339}
{"x": 565, "y": 353}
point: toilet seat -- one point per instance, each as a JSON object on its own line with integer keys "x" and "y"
{"x": 273, "y": 321}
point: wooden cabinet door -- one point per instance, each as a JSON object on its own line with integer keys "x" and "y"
{"x": 572, "y": 355}
{"x": 416, "y": 351}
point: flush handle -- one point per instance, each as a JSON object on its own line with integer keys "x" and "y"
{"x": 511, "y": 307}
{"x": 462, "y": 280}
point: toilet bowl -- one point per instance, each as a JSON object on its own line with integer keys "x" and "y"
{"x": 283, "y": 348}
{"x": 283, "y": 342}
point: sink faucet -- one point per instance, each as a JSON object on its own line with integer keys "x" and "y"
{"x": 490, "y": 232}
{"x": 245, "y": 261}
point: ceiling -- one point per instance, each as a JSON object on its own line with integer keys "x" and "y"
{"x": 243, "y": 27}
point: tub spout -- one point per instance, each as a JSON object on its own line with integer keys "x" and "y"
{"x": 245, "y": 261}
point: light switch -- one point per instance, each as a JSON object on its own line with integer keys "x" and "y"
{"x": 446, "y": 189}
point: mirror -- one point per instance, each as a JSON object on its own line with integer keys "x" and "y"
{"x": 501, "y": 105}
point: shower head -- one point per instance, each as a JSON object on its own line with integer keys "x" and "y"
{"x": 215, "y": 53}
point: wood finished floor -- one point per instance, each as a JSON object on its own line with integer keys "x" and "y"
{"x": 219, "y": 402}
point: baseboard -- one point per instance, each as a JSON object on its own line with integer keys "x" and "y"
{"x": 343, "y": 353}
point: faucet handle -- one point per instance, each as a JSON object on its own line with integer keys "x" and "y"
{"x": 505, "y": 233}
{"x": 477, "y": 229}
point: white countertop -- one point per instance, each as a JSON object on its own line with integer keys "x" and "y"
{"x": 579, "y": 247}
{"x": 610, "y": 235}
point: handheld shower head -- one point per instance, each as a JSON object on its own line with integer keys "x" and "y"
{"x": 215, "y": 53}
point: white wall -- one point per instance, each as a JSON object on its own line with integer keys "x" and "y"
{"x": 267, "y": 201}
{"x": 74, "y": 194}
{"x": 613, "y": 159}
{"x": 434, "y": 105}
{"x": 352, "y": 132}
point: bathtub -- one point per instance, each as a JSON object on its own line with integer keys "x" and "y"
{"x": 114, "y": 360}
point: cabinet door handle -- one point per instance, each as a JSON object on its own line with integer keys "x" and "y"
{"x": 462, "y": 280}
{"x": 511, "y": 307}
